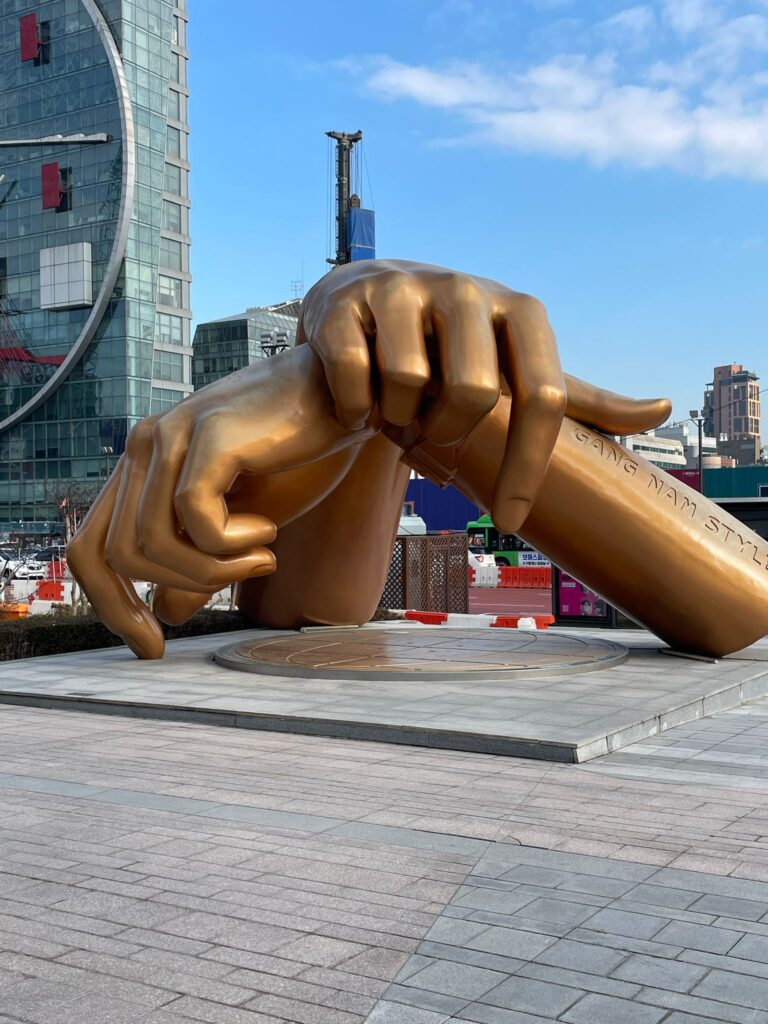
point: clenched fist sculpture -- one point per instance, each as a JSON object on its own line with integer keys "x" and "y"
{"x": 270, "y": 475}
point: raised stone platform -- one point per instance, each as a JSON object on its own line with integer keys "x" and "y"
{"x": 414, "y": 655}
{"x": 554, "y": 716}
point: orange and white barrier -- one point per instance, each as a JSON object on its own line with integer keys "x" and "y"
{"x": 524, "y": 576}
{"x": 458, "y": 619}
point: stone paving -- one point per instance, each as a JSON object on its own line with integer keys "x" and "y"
{"x": 168, "y": 873}
{"x": 555, "y": 717}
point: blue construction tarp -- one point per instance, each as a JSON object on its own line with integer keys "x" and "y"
{"x": 441, "y": 508}
{"x": 361, "y": 232}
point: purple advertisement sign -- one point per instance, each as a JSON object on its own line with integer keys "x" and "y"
{"x": 577, "y": 601}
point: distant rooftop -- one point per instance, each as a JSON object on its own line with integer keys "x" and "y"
{"x": 290, "y": 308}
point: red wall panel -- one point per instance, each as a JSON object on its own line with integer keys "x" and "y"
{"x": 51, "y": 186}
{"x": 30, "y": 37}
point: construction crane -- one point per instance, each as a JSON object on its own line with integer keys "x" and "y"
{"x": 355, "y": 226}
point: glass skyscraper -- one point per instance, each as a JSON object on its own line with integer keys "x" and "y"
{"x": 94, "y": 240}
{"x": 223, "y": 346}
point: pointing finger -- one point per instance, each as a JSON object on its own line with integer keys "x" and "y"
{"x": 113, "y": 598}
{"x": 532, "y": 368}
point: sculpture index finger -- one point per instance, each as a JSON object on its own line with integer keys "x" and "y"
{"x": 113, "y": 597}
{"x": 530, "y": 362}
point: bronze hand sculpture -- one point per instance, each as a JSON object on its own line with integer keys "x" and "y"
{"x": 309, "y": 446}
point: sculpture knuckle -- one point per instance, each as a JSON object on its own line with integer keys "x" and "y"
{"x": 550, "y": 399}
{"x": 475, "y": 396}
{"x": 465, "y": 290}
{"x": 530, "y": 307}
{"x": 187, "y": 505}
{"x": 140, "y": 436}
{"x": 411, "y": 378}
{"x": 161, "y": 433}
{"x": 76, "y": 551}
{"x": 114, "y": 556}
{"x": 150, "y": 542}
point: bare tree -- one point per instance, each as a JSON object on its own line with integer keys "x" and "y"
{"x": 73, "y": 499}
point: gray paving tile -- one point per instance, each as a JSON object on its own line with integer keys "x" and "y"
{"x": 596, "y": 1009}
{"x": 265, "y": 816}
{"x": 449, "y": 978}
{"x": 474, "y": 957}
{"x": 412, "y": 838}
{"x": 495, "y": 900}
{"x": 620, "y": 922}
{"x": 387, "y": 1012}
{"x": 660, "y": 973}
{"x": 454, "y": 931}
{"x": 532, "y": 997}
{"x": 729, "y": 906}
{"x": 751, "y": 947}
{"x": 511, "y": 942}
{"x": 687, "y": 1018}
{"x": 581, "y": 956}
{"x": 662, "y": 896}
{"x": 695, "y": 936}
{"x": 724, "y": 1013}
{"x": 556, "y": 910}
{"x": 578, "y": 979}
{"x": 424, "y": 999}
{"x": 738, "y": 989}
{"x": 151, "y": 801}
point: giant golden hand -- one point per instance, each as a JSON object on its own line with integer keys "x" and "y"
{"x": 290, "y": 446}
{"x": 412, "y": 341}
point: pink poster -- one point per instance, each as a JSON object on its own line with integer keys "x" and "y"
{"x": 578, "y": 601}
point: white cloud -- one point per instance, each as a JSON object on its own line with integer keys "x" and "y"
{"x": 702, "y": 110}
{"x": 633, "y": 24}
{"x": 690, "y": 16}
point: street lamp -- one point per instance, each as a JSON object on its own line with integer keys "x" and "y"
{"x": 106, "y": 451}
{"x": 698, "y": 418}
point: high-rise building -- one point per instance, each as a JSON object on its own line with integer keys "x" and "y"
{"x": 732, "y": 403}
{"x": 234, "y": 342}
{"x": 94, "y": 239}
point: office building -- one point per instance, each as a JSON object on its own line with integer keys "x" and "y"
{"x": 741, "y": 451}
{"x": 664, "y": 452}
{"x": 233, "y": 342}
{"x": 688, "y": 434}
{"x": 94, "y": 240}
{"x": 732, "y": 403}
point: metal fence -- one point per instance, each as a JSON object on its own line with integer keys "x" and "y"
{"x": 428, "y": 574}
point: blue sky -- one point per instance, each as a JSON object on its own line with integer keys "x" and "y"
{"x": 610, "y": 158}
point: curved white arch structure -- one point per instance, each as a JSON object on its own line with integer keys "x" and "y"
{"x": 123, "y": 223}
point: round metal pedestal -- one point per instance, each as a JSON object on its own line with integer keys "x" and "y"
{"x": 420, "y": 654}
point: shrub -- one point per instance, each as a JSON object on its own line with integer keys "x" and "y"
{"x": 62, "y": 634}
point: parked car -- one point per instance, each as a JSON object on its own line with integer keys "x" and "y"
{"x": 55, "y": 554}
{"x": 9, "y": 563}
{"x": 30, "y": 570}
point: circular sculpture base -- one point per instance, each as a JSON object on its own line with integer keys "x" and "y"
{"x": 411, "y": 654}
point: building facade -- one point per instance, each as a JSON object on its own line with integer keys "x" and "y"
{"x": 94, "y": 240}
{"x": 234, "y": 342}
{"x": 664, "y": 452}
{"x": 732, "y": 403}
{"x": 688, "y": 434}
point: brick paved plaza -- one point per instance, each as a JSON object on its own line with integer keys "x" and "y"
{"x": 167, "y": 873}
